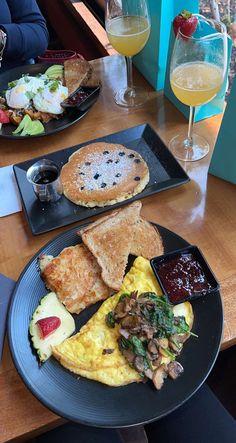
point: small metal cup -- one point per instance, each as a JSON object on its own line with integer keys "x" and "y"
{"x": 44, "y": 175}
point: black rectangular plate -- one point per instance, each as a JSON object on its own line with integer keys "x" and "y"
{"x": 165, "y": 173}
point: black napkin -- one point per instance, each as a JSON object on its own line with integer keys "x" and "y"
{"x": 6, "y": 288}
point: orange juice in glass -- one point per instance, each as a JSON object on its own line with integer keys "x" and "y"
{"x": 197, "y": 73}
{"x": 128, "y": 34}
{"x": 195, "y": 83}
{"x": 128, "y": 30}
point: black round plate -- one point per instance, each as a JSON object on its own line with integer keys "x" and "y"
{"x": 70, "y": 116}
{"x": 92, "y": 403}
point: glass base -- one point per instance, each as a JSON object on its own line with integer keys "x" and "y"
{"x": 131, "y": 97}
{"x": 182, "y": 150}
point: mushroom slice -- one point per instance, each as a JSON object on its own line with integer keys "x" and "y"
{"x": 153, "y": 346}
{"x": 149, "y": 373}
{"x": 174, "y": 369}
{"x": 157, "y": 361}
{"x": 129, "y": 355}
{"x": 130, "y": 321}
{"x": 139, "y": 364}
{"x": 158, "y": 377}
{"x": 163, "y": 342}
{"x": 175, "y": 345}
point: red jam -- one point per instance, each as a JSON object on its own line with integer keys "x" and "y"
{"x": 182, "y": 276}
{"x": 77, "y": 98}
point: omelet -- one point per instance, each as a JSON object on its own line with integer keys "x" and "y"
{"x": 93, "y": 352}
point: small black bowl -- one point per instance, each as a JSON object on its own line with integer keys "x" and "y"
{"x": 173, "y": 283}
{"x": 82, "y": 99}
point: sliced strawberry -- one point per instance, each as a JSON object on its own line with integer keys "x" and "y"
{"x": 48, "y": 325}
{"x": 186, "y": 22}
{"x": 3, "y": 117}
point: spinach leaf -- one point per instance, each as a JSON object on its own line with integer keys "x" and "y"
{"x": 110, "y": 321}
{"x": 180, "y": 326}
{"x": 138, "y": 346}
{"x": 124, "y": 343}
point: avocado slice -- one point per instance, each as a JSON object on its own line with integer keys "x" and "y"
{"x": 24, "y": 124}
{"x": 55, "y": 71}
{"x": 50, "y": 306}
{"x": 35, "y": 129}
{"x": 29, "y": 127}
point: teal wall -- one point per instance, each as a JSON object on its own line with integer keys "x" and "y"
{"x": 151, "y": 61}
{"x": 223, "y": 162}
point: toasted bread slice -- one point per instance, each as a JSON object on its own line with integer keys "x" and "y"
{"x": 104, "y": 218}
{"x": 76, "y": 71}
{"x": 147, "y": 241}
{"x": 75, "y": 276}
{"x": 110, "y": 242}
{"x": 92, "y": 81}
{"x": 97, "y": 222}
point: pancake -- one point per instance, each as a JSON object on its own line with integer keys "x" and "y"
{"x": 75, "y": 276}
{"x": 102, "y": 174}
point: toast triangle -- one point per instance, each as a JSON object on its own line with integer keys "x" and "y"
{"x": 147, "y": 241}
{"x": 110, "y": 242}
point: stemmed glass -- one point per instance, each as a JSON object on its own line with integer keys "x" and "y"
{"x": 197, "y": 72}
{"x": 128, "y": 29}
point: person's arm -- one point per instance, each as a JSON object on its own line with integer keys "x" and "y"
{"x": 27, "y": 35}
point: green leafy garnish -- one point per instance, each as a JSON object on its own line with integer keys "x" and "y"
{"x": 137, "y": 346}
{"x": 124, "y": 343}
{"x": 161, "y": 317}
{"x": 12, "y": 84}
{"x": 54, "y": 86}
{"x": 29, "y": 95}
{"x": 110, "y": 321}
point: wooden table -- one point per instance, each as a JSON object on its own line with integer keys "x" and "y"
{"x": 202, "y": 211}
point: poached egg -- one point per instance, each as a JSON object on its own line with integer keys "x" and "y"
{"x": 49, "y": 99}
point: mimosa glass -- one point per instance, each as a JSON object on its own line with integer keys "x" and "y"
{"x": 197, "y": 72}
{"x": 128, "y": 29}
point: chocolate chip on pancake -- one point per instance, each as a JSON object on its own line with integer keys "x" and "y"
{"x": 102, "y": 174}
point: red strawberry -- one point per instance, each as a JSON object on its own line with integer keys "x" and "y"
{"x": 3, "y": 117}
{"x": 186, "y": 22}
{"x": 48, "y": 325}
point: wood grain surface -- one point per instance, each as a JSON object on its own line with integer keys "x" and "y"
{"x": 203, "y": 212}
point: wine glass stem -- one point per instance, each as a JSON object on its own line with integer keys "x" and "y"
{"x": 129, "y": 72}
{"x": 190, "y": 126}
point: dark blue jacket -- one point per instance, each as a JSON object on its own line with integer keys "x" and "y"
{"x": 26, "y": 31}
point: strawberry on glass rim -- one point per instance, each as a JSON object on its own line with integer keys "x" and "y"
{"x": 186, "y": 22}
